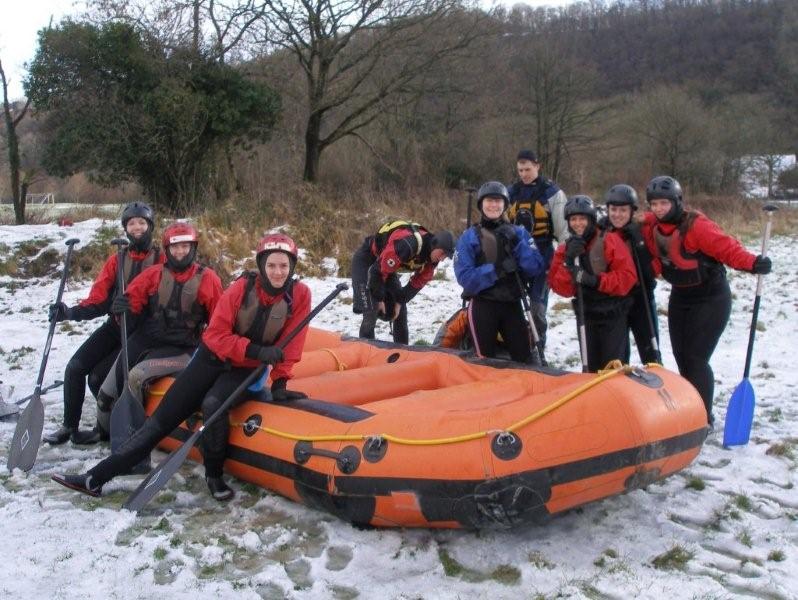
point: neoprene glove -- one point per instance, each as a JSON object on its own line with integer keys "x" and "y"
{"x": 586, "y": 279}
{"x": 281, "y": 394}
{"x": 525, "y": 219}
{"x": 575, "y": 246}
{"x": 60, "y": 312}
{"x": 762, "y": 265}
{"x": 508, "y": 233}
{"x": 121, "y": 304}
{"x": 270, "y": 355}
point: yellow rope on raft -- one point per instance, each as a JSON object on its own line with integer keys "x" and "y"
{"x": 339, "y": 364}
{"x": 603, "y": 376}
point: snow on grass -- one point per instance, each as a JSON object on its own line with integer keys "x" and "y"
{"x": 726, "y": 527}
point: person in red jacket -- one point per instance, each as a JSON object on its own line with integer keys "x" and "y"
{"x": 251, "y": 318}
{"x": 689, "y": 252}
{"x": 600, "y": 262}
{"x": 377, "y": 290}
{"x": 174, "y": 300}
{"x": 94, "y": 358}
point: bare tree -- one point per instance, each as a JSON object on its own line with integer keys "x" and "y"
{"x": 358, "y": 56}
{"x": 13, "y": 116}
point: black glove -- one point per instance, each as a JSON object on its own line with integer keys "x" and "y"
{"x": 586, "y": 279}
{"x": 60, "y": 312}
{"x": 525, "y": 219}
{"x": 121, "y": 304}
{"x": 761, "y": 266}
{"x": 508, "y": 233}
{"x": 575, "y": 246}
{"x": 270, "y": 355}
{"x": 281, "y": 394}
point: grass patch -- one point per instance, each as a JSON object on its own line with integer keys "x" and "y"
{"x": 785, "y": 449}
{"x": 743, "y": 502}
{"x": 673, "y": 559}
{"x": 745, "y": 538}
{"x": 451, "y": 567}
{"x": 539, "y": 560}
{"x": 695, "y": 483}
{"x": 776, "y": 555}
{"x": 159, "y": 553}
{"x": 506, "y": 574}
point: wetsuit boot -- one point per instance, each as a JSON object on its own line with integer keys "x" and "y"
{"x": 81, "y": 483}
{"x": 59, "y": 436}
{"x": 219, "y": 489}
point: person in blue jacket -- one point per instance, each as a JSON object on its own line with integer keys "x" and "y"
{"x": 491, "y": 259}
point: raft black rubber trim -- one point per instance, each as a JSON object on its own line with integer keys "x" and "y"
{"x": 338, "y": 412}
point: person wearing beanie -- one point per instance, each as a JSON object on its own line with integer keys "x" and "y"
{"x": 537, "y": 204}
{"x": 492, "y": 260}
{"x": 690, "y": 252}
{"x": 398, "y": 245}
{"x": 250, "y": 320}
{"x": 95, "y": 357}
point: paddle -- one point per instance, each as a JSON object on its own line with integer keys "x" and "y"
{"x": 646, "y": 303}
{"x": 538, "y": 345}
{"x": 580, "y": 320}
{"x": 56, "y": 384}
{"x": 121, "y": 244}
{"x": 161, "y": 474}
{"x": 740, "y": 413}
{"x": 28, "y": 433}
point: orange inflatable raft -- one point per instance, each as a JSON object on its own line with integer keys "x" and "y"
{"x": 396, "y": 436}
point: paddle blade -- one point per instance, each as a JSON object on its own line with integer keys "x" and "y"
{"x": 739, "y": 415}
{"x": 27, "y": 436}
{"x": 127, "y": 417}
{"x": 160, "y": 475}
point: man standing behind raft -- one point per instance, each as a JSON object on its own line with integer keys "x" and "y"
{"x": 398, "y": 245}
{"x": 253, "y": 315}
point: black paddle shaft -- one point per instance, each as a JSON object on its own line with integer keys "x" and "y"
{"x": 769, "y": 209}
{"x": 580, "y": 320}
{"x": 158, "y": 477}
{"x": 28, "y": 433}
{"x": 121, "y": 245}
{"x": 527, "y": 309}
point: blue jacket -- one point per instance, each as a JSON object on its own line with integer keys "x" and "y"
{"x": 476, "y": 278}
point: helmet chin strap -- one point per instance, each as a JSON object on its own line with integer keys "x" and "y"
{"x": 141, "y": 244}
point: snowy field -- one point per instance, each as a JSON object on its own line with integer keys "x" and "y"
{"x": 725, "y": 528}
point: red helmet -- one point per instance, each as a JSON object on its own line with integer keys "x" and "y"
{"x": 179, "y": 232}
{"x": 278, "y": 242}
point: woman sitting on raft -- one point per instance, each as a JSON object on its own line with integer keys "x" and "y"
{"x": 250, "y": 319}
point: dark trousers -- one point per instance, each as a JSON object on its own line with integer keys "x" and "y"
{"x": 607, "y": 339}
{"x": 641, "y": 330}
{"x": 696, "y": 324}
{"x": 205, "y": 383}
{"x": 365, "y": 304}
{"x": 90, "y": 360}
{"x": 486, "y": 318}
{"x": 538, "y": 290}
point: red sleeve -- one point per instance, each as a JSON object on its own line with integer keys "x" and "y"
{"x": 423, "y": 276}
{"x": 210, "y": 290}
{"x": 144, "y": 285}
{"x": 300, "y": 309}
{"x": 621, "y": 275}
{"x": 705, "y": 235}
{"x": 401, "y": 246}
{"x": 103, "y": 284}
{"x": 560, "y": 279}
{"x": 220, "y": 336}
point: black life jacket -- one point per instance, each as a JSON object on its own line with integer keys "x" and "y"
{"x": 259, "y": 323}
{"x": 539, "y": 210}
{"x": 491, "y": 251}
{"x": 681, "y": 268}
{"x": 176, "y": 316}
{"x": 388, "y": 228}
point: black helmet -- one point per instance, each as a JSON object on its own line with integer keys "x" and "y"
{"x": 139, "y": 209}
{"x": 581, "y": 205}
{"x": 621, "y": 195}
{"x": 443, "y": 240}
{"x": 493, "y": 189}
{"x": 665, "y": 187}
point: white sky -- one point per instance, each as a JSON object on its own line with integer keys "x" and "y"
{"x": 22, "y": 19}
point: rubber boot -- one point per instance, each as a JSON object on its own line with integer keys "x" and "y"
{"x": 80, "y": 483}
{"x": 59, "y": 436}
{"x": 85, "y": 437}
{"x": 219, "y": 489}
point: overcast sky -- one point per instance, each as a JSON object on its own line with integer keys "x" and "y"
{"x": 22, "y": 19}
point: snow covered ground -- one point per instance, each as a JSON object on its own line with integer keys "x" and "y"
{"x": 725, "y": 528}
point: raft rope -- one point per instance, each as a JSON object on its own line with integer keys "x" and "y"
{"x": 612, "y": 369}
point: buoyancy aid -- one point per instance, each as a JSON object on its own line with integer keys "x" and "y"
{"x": 598, "y": 303}
{"x": 388, "y": 228}
{"x": 176, "y": 315}
{"x": 682, "y": 268}
{"x": 539, "y": 210}
{"x": 131, "y": 268}
{"x": 492, "y": 251}
{"x": 259, "y": 323}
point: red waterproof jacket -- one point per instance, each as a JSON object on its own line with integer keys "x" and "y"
{"x": 703, "y": 235}
{"x": 619, "y": 278}
{"x": 146, "y": 285}
{"x": 222, "y": 340}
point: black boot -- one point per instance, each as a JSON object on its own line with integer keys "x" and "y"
{"x": 85, "y": 437}
{"x": 219, "y": 489}
{"x": 59, "y": 436}
{"x": 79, "y": 483}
